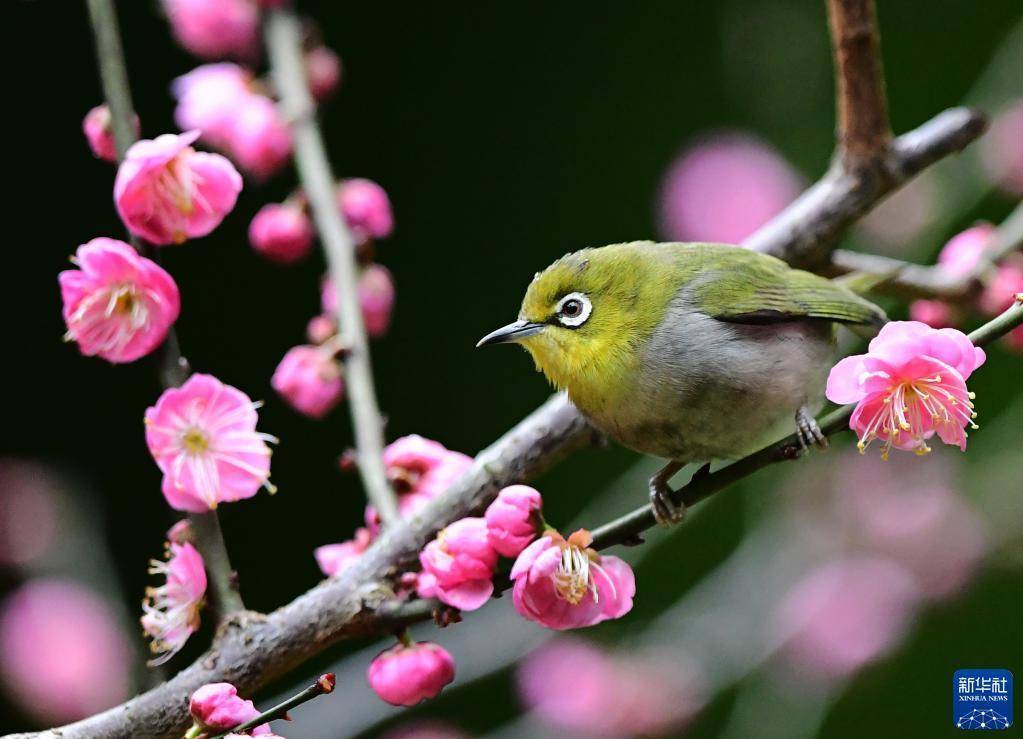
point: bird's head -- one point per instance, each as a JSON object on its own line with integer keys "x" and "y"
{"x": 585, "y": 318}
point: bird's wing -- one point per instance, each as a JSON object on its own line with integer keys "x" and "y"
{"x": 732, "y": 286}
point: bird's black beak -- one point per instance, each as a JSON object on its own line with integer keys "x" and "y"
{"x": 512, "y": 332}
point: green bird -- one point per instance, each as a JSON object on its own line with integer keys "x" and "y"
{"x": 689, "y": 352}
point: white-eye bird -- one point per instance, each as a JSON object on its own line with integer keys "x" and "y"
{"x": 690, "y": 352}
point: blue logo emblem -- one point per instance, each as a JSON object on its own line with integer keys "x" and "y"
{"x": 982, "y": 699}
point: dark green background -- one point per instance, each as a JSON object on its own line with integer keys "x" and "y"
{"x": 506, "y": 134}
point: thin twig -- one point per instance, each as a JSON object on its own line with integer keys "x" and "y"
{"x": 284, "y": 44}
{"x": 918, "y": 281}
{"x": 861, "y": 108}
{"x": 172, "y": 367}
{"x": 324, "y": 684}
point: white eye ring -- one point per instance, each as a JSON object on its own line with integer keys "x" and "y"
{"x": 581, "y": 317}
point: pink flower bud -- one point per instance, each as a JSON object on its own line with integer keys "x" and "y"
{"x": 961, "y": 255}
{"x": 181, "y": 532}
{"x": 281, "y": 232}
{"x": 215, "y": 29}
{"x": 170, "y": 612}
{"x": 217, "y": 707}
{"x": 334, "y": 559}
{"x": 1001, "y": 292}
{"x": 63, "y": 653}
{"x": 724, "y": 188}
{"x": 167, "y": 192}
{"x": 513, "y": 519}
{"x": 209, "y": 98}
{"x": 405, "y": 675}
{"x": 117, "y": 305}
{"x": 563, "y": 584}
{"x": 376, "y": 296}
{"x": 320, "y": 329}
{"x": 323, "y": 69}
{"x": 909, "y": 386}
{"x": 203, "y": 438}
{"x": 99, "y": 133}
{"x": 366, "y": 208}
{"x": 310, "y": 379}
{"x": 935, "y": 313}
{"x": 260, "y": 139}
{"x": 458, "y": 565}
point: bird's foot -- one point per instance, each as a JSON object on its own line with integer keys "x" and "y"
{"x": 808, "y": 431}
{"x": 666, "y": 511}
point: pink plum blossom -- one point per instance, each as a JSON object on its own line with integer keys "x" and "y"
{"x": 167, "y": 192}
{"x": 563, "y": 584}
{"x": 909, "y": 386}
{"x": 366, "y": 208}
{"x": 419, "y": 469}
{"x": 1002, "y": 149}
{"x": 215, "y": 29}
{"x": 405, "y": 675}
{"x": 310, "y": 379}
{"x": 217, "y": 707}
{"x": 99, "y": 132}
{"x": 961, "y": 255}
{"x": 376, "y": 298}
{"x": 574, "y": 686}
{"x": 935, "y": 313}
{"x": 260, "y": 139}
{"x": 334, "y": 559}
{"x": 203, "y": 437}
{"x": 844, "y": 615}
{"x": 281, "y": 233}
{"x": 513, "y": 519}
{"x": 118, "y": 305}
{"x": 723, "y": 188}
{"x": 458, "y": 565}
{"x": 170, "y": 612}
{"x": 63, "y": 654}
{"x": 323, "y": 70}
{"x": 209, "y": 98}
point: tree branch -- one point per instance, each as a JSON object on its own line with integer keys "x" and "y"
{"x": 861, "y": 108}
{"x": 284, "y": 43}
{"x": 918, "y": 281}
{"x": 172, "y": 367}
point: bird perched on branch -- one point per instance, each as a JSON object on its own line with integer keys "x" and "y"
{"x": 690, "y": 352}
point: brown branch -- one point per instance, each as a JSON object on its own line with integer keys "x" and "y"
{"x": 284, "y": 43}
{"x": 861, "y": 108}
{"x": 918, "y": 281}
{"x": 172, "y": 367}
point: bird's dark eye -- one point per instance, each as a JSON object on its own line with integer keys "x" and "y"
{"x": 572, "y": 309}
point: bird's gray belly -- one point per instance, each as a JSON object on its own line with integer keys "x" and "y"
{"x": 713, "y": 390}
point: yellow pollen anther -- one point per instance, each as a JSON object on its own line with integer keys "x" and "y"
{"x": 195, "y": 441}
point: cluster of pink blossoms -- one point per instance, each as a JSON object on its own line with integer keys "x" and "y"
{"x": 959, "y": 258}
{"x": 310, "y": 376}
{"x": 909, "y": 386}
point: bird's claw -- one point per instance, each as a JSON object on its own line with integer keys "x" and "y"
{"x": 809, "y": 432}
{"x": 666, "y": 512}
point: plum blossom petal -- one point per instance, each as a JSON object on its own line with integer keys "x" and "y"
{"x": 513, "y": 519}
{"x": 167, "y": 193}
{"x": 118, "y": 305}
{"x": 217, "y": 707}
{"x": 334, "y": 559}
{"x": 215, "y": 29}
{"x": 458, "y": 565}
{"x": 203, "y": 438}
